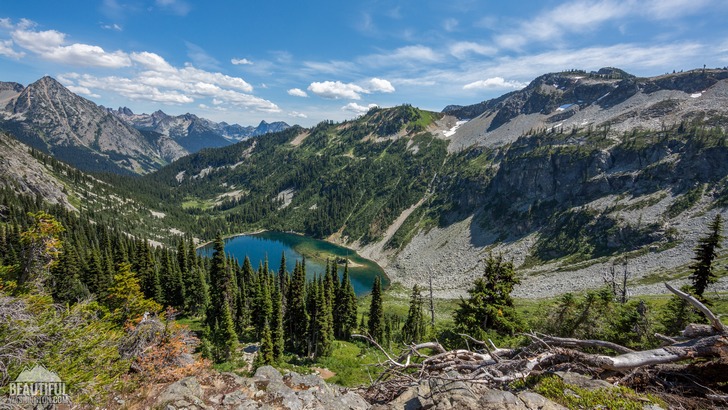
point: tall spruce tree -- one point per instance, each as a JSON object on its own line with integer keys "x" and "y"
{"x": 414, "y": 327}
{"x": 490, "y": 305}
{"x": 296, "y": 318}
{"x": 266, "y": 353}
{"x": 219, "y": 318}
{"x": 345, "y": 309}
{"x": 375, "y": 325}
{"x": 277, "y": 332}
{"x": 705, "y": 253}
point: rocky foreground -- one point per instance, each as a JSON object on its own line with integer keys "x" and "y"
{"x": 269, "y": 389}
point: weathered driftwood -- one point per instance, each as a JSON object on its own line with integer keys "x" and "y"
{"x": 493, "y": 365}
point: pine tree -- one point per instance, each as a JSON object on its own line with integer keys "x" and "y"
{"x": 263, "y": 306}
{"x": 145, "y": 267}
{"x": 266, "y": 354}
{"x": 277, "y": 332}
{"x": 197, "y": 295}
{"x": 345, "y": 310}
{"x": 375, "y": 325}
{"x": 65, "y": 284}
{"x": 224, "y": 339}
{"x": 490, "y": 305}
{"x": 706, "y": 251}
{"x": 312, "y": 294}
{"x": 126, "y": 300}
{"x": 414, "y": 327}
{"x": 219, "y": 318}
{"x": 296, "y": 318}
{"x": 171, "y": 280}
{"x": 283, "y": 279}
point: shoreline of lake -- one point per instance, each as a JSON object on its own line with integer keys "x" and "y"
{"x": 267, "y": 245}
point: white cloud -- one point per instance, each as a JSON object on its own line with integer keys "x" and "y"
{"x": 380, "y": 85}
{"x": 667, "y": 9}
{"x": 494, "y": 82}
{"x": 450, "y": 24}
{"x": 6, "y": 49}
{"x": 464, "y": 48}
{"x": 296, "y": 114}
{"x": 49, "y": 45}
{"x": 336, "y": 90}
{"x": 297, "y": 92}
{"x": 82, "y": 91}
{"x": 6, "y": 23}
{"x": 152, "y": 61}
{"x": 241, "y": 61}
{"x": 330, "y": 67}
{"x": 580, "y": 16}
{"x": 358, "y": 109}
{"x": 409, "y": 55}
{"x": 178, "y": 7}
{"x": 114, "y": 27}
{"x": 200, "y": 57}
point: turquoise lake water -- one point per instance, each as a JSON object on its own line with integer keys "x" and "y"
{"x": 270, "y": 245}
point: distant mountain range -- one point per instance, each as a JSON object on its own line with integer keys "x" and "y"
{"x": 192, "y": 132}
{"x": 51, "y": 118}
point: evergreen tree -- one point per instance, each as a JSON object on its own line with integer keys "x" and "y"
{"x": 283, "y": 279}
{"x": 375, "y": 325}
{"x": 262, "y": 307}
{"x": 266, "y": 353}
{"x": 706, "y": 251}
{"x": 345, "y": 309}
{"x": 219, "y": 318}
{"x": 414, "y": 327}
{"x": 172, "y": 288}
{"x": 296, "y": 318}
{"x": 277, "y": 332}
{"x": 490, "y": 305}
{"x": 149, "y": 275}
{"x": 678, "y": 313}
{"x": 224, "y": 338}
{"x": 126, "y": 300}
{"x": 41, "y": 247}
{"x": 312, "y": 294}
{"x": 194, "y": 281}
{"x": 66, "y": 285}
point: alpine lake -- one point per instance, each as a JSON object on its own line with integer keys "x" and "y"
{"x": 270, "y": 245}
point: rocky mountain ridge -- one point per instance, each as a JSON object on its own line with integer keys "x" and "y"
{"x": 192, "y": 132}
{"x": 609, "y": 98}
{"x": 50, "y": 118}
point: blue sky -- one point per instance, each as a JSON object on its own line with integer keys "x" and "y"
{"x": 307, "y": 61}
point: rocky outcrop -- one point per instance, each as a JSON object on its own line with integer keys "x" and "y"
{"x": 439, "y": 394}
{"x": 24, "y": 174}
{"x": 267, "y": 389}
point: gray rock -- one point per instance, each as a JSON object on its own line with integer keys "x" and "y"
{"x": 501, "y": 400}
{"x": 585, "y": 382}
{"x": 248, "y": 405}
{"x": 268, "y": 372}
{"x": 536, "y": 401}
{"x": 188, "y": 389}
{"x": 234, "y": 398}
{"x": 349, "y": 401}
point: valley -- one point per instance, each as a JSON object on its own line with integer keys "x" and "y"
{"x": 516, "y": 210}
{"x": 632, "y": 167}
